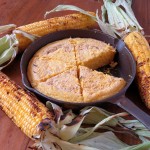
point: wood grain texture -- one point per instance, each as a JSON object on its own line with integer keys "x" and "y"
{"x": 142, "y": 11}
{"x": 22, "y": 12}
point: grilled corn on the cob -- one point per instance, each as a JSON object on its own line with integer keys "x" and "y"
{"x": 23, "y": 108}
{"x": 41, "y": 28}
{"x": 140, "y": 49}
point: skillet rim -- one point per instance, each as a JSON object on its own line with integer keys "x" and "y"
{"x": 27, "y": 52}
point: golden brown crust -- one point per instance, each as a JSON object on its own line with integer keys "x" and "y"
{"x": 62, "y": 84}
{"x": 93, "y": 53}
{"x": 40, "y": 69}
{"x": 97, "y": 85}
{"x": 61, "y": 50}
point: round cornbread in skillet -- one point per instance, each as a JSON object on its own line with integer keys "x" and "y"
{"x": 58, "y": 70}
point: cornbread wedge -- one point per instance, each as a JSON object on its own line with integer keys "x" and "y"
{"x": 97, "y": 85}
{"x": 64, "y": 86}
{"x": 140, "y": 50}
{"x": 24, "y": 109}
{"x": 61, "y": 50}
{"x": 93, "y": 53}
{"x": 40, "y": 69}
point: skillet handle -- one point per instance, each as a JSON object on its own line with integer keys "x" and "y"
{"x": 130, "y": 107}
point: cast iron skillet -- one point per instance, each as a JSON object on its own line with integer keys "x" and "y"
{"x": 126, "y": 69}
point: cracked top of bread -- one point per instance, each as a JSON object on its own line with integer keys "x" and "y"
{"x": 65, "y": 70}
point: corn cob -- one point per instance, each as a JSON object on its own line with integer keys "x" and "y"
{"x": 41, "y": 28}
{"x": 140, "y": 49}
{"x": 23, "y": 108}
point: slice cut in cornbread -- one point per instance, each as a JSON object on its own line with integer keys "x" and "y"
{"x": 59, "y": 70}
{"x": 40, "y": 69}
{"x": 97, "y": 85}
{"x": 61, "y": 50}
{"x": 93, "y": 53}
{"x": 64, "y": 86}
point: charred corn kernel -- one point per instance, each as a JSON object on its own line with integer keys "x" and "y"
{"x": 24, "y": 109}
{"x": 140, "y": 49}
{"x": 41, "y": 28}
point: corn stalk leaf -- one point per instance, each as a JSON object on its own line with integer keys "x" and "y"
{"x": 105, "y": 141}
{"x": 66, "y": 136}
{"x": 7, "y": 28}
{"x": 126, "y": 4}
{"x": 94, "y": 115}
{"x": 25, "y": 34}
{"x": 114, "y": 16}
{"x": 48, "y": 141}
{"x": 66, "y": 118}
{"x": 105, "y": 27}
{"x": 69, "y": 7}
{"x": 104, "y": 13}
{"x": 71, "y": 129}
{"x": 98, "y": 125}
{"x": 143, "y": 146}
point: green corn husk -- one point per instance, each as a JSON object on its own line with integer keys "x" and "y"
{"x": 68, "y": 131}
{"x": 8, "y": 50}
{"x": 9, "y": 44}
{"x": 118, "y": 18}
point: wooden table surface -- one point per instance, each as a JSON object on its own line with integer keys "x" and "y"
{"x": 22, "y": 12}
